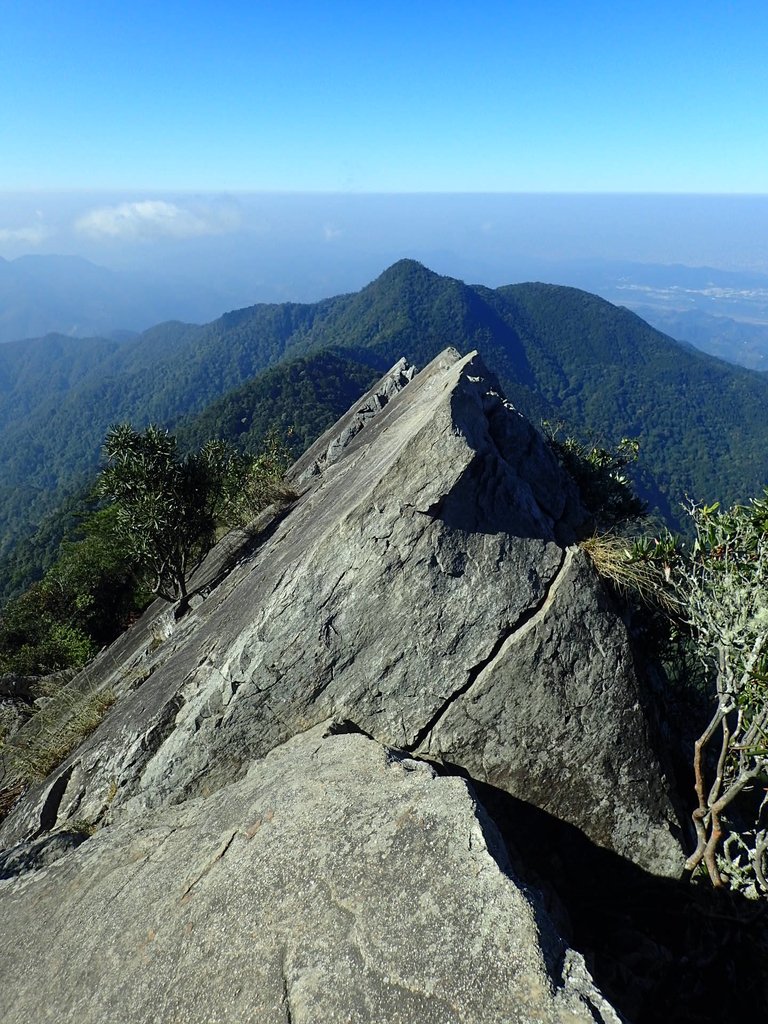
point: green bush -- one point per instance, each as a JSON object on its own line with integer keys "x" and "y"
{"x": 168, "y": 507}
{"x": 714, "y": 596}
{"x": 600, "y": 474}
{"x": 722, "y": 585}
{"x": 84, "y": 601}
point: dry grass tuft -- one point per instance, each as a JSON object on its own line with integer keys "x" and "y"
{"x": 60, "y": 726}
{"x": 614, "y": 560}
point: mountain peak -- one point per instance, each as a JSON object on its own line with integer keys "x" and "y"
{"x": 406, "y": 270}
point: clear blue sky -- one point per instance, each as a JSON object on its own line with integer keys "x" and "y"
{"x": 665, "y": 96}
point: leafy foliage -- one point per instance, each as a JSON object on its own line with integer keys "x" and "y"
{"x": 168, "y": 507}
{"x": 165, "y": 506}
{"x": 600, "y": 474}
{"x": 83, "y": 601}
{"x": 723, "y": 587}
{"x": 714, "y": 593}
{"x": 163, "y": 517}
{"x": 36, "y": 552}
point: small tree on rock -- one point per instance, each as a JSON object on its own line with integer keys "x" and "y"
{"x": 713, "y": 596}
{"x": 169, "y": 506}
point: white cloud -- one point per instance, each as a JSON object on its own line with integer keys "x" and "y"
{"x": 331, "y": 231}
{"x": 32, "y": 234}
{"x": 156, "y": 218}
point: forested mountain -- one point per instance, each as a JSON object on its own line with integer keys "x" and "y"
{"x": 299, "y": 398}
{"x": 45, "y": 370}
{"x": 560, "y": 353}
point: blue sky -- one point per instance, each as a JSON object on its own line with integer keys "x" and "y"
{"x": 405, "y": 97}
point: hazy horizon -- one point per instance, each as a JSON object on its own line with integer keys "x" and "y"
{"x": 131, "y": 230}
{"x": 231, "y": 155}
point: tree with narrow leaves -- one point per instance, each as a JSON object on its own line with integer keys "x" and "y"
{"x": 169, "y": 507}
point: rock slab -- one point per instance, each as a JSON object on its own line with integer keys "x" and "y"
{"x": 424, "y": 587}
{"x": 339, "y": 881}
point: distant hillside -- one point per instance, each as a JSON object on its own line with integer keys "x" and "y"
{"x": 72, "y": 296}
{"x": 300, "y": 398}
{"x": 559, "y": 352}
{"x": 738, "y": 341}
{"x": 45, "y": 370}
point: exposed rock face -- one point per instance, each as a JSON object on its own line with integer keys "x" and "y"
{"x": 20, "y": 695}
{"x": 338, "y": 881}
{"x": 423, "y": 589}
{"x": 331, "y": 446}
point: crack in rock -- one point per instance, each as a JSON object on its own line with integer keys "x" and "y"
{"x": 286, "y": 994}
{"x": 205, "y": 867}
{"x": 527, "y": 621}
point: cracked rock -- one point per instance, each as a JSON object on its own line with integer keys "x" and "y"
{"x": 336, "y": 882}
{"x": 423, "y": 588}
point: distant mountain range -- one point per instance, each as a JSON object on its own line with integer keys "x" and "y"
{"x": 737, "y": 341}
{"x": 560, "y": 353}
{"x": 718, "y": 311}
{"x": 72, "y": 296}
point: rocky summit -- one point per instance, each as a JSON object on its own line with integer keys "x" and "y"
{"x": 292, "y": 811}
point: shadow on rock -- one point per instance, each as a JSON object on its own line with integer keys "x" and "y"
{"x": 659, "y": 949}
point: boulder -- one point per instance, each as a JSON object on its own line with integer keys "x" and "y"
{"x": 338, "y": 881}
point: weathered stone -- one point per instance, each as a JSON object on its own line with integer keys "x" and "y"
{"x": 39, "y": 853}
{"x": 18, "y": 688}
{"x": 339, "y": 881}
{"x": 423, "y": 588}
{"x": 566, "y": 668}
{"x": 330, "y": 446}
{"x": 21, "y": 696}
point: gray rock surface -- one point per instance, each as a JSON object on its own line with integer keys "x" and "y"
{"x": 338, "y": 881}
{"x": 423, "y": 588}
{"x": 330, "y": 447}
{"x": 21, "y": 696}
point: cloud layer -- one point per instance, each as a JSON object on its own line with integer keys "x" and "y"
{"x": 31, "y": 234}
{"x": 157, "y": 218}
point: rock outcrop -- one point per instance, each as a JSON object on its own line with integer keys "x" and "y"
{"x": 424, "y": 590}
{"x": 338, "y": 881}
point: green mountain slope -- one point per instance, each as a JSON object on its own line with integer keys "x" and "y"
{"x": 559, "y": 352}
{"x": 300, "y": 398}
{"x": 701, "y": 423}
{"x": 45, "y": 370}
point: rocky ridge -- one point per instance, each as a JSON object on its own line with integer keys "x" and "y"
{"x": 421, "y": 602}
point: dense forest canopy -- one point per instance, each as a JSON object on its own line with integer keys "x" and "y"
{"x": 560, "y": 354}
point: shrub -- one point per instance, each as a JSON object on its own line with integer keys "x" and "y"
{"x": 169, "y": 507}
{"x": 599, "y": 472}
{"x": 723, "y": 588}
